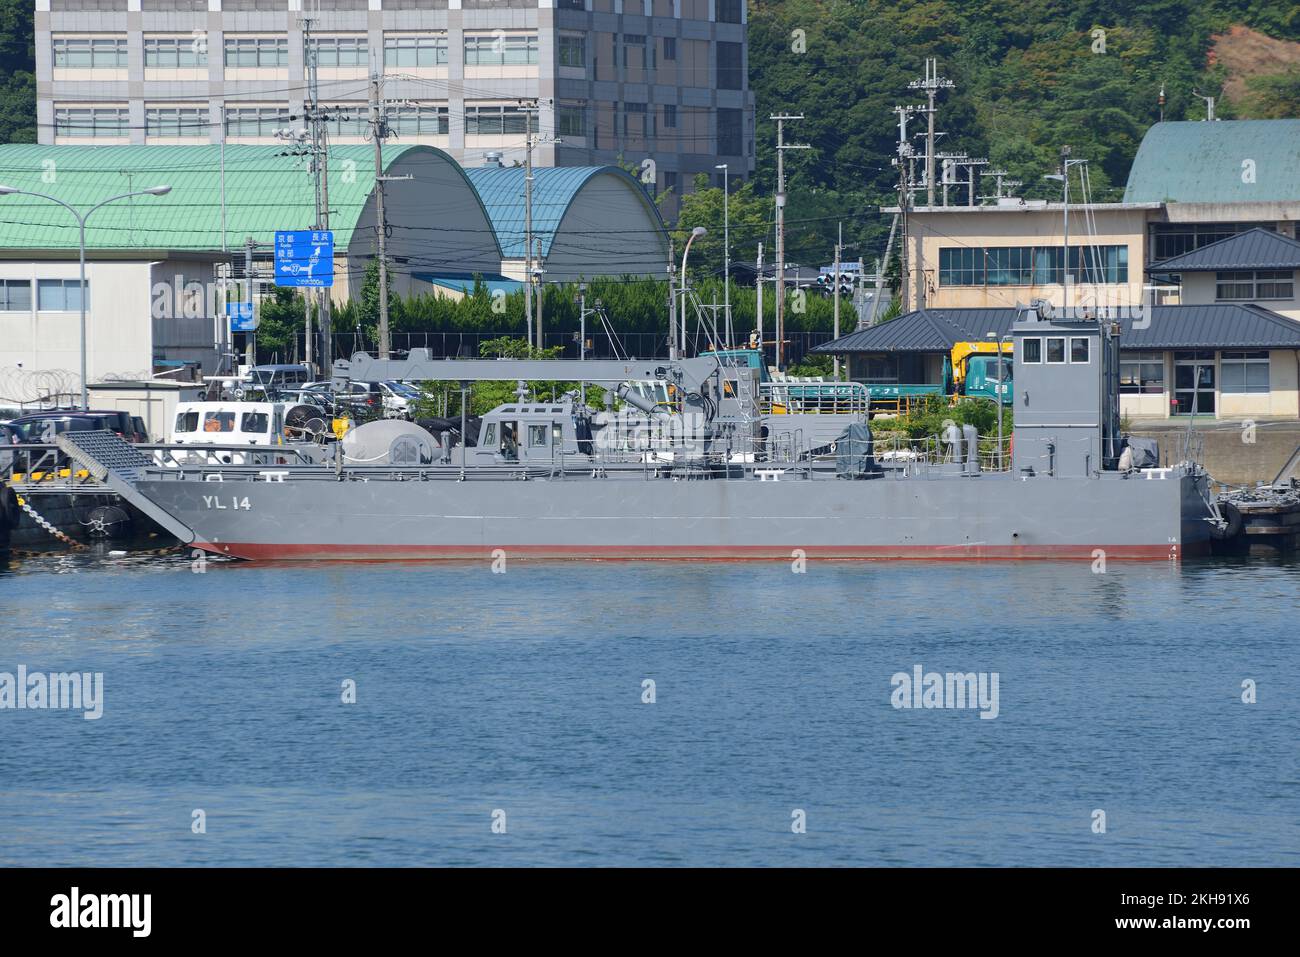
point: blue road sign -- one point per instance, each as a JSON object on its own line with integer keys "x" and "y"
{"x": 241, "y": 317}
{"x": 304, "y": 257}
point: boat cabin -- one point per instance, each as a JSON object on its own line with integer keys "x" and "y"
{"x": 531, "y": 433}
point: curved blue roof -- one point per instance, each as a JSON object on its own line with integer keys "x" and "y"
{"x": 501, "y": 190}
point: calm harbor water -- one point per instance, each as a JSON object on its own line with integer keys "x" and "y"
{"x": 522, "y": 693}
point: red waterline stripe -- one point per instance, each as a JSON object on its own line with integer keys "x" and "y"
{"x": 260, "y": 551}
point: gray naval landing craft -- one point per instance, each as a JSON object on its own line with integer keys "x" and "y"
{"x": 716, "y": 479}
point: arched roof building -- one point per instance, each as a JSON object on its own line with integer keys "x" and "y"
{"x": 590, "y": 220}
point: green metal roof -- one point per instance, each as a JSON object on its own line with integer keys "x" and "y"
{"x": 1194, "y": 162}
{"x": 264, "y": 192}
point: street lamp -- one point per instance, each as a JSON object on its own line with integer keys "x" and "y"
{"x": 696, "y": 233}
{"x": 726, "y": 248}
{"x": 81, "y": 226}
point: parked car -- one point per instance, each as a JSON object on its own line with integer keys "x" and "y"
{"x": 42, "y": 427}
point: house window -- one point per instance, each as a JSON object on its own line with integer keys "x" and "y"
{"x": 428, "y": 50}
{"x": 175, "y": 121}
{"x": 99, "y": 53}
{"x": 493, "y": 120}
{"x": 257, "y": 52}
{"x": 572, "y": 51}
{"x": 1079, "y": 351}
{"x": 419, "y": 120}
{"x": 1234, "y": 285}
{"x": 670, "y": 116}
{"x": 1055, "y": 351}
{"x": 91, "y": 121}
{"x": 1032, "y": 350}
{"x": 1259, "y": 284}
{"x": 15, "y": 295}
{"x": 670, "y": 48}
{"x": 175, "y": 53}
{"x": 961, "y": 266}
{"x": 1142, "y": 373}
{"x": 500, "y": 49}
{"x": 59, "y": 295}
{"x": 340, "y": 51}
{"x": 1244, "y": 372}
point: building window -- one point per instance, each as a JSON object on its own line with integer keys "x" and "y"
{"x": 175, "y": 121}
{"x": 15, "y": 295}
{"x": 1244, "y": 372}
{"x": 1259, "y": 284}
{"x": 1010, "y": 266}
{"x": 90, "y": 122}
{"x": 670, "y": 48}
{"x": 1142, "y": 373}
{"x": 1031, "y": 266}
{"x": 59, "y": 295}
{"x": 670, "y": 182}
{"x": 493, "y": 120}
{"x": 571, "y": 4}
{"x": 340, "y": 51}
{"x": 257, "y": 52}
{"x": 730, "y": 132}
{"x": 573, "y": 51}
{"x": 728, "y": 11}
{"x": 670, "y": 116}
{"x": 730, "y": 74}
{"x": 256, "y": 121}
{"x": 500, "y": 49}
{"x": 426, "y": 50}
{"x": 1176, "y": 239}
{"x": 961, "y": 266}
{"x": 637, "y": 127}
{"x": 1033, "y": 351}
{"x": 99, "y": 53}
{"x": 419, "y": 121}
{"x": 572, "y": 121}
{"x": 175, "y": 53}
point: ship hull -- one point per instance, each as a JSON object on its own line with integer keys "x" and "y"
{"x": 954, "y": 518}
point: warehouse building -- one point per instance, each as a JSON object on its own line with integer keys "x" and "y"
{"x": 156, "y": 264}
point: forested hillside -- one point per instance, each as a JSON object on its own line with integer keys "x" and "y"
{"x": 1030, "y": 76}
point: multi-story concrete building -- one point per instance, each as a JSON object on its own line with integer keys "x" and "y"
{"x": 659, "y": 85}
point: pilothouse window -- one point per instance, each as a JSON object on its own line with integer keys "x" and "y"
{"x": 187, "y": 421}
{"x": 1033, "y": 350}
{"x": 255, "y": 422}
{"x": 1079, "y": 351}
{"x": 1055, "y": 350}
{"x": 219, "y": 422}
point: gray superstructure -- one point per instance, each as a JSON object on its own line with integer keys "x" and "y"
{"x": 547, "y": 479}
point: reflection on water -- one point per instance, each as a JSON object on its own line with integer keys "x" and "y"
{"x": 523, "y": 693}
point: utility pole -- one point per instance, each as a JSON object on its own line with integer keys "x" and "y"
{"x": 316, "y": 119}
{"x": 528, "y": 110}
{"x": 672, "y": 301}
{"x": 250, "y": 347}
{"x": 904, "y": 161}
{"x": 758, "y": 296}
{"x": 781, "y": 147}
{"x": 932, "y": 84}
{"x": 379, "y": 132}
{"x": 541, "y": 290}
{"x": 839, "y": 246}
